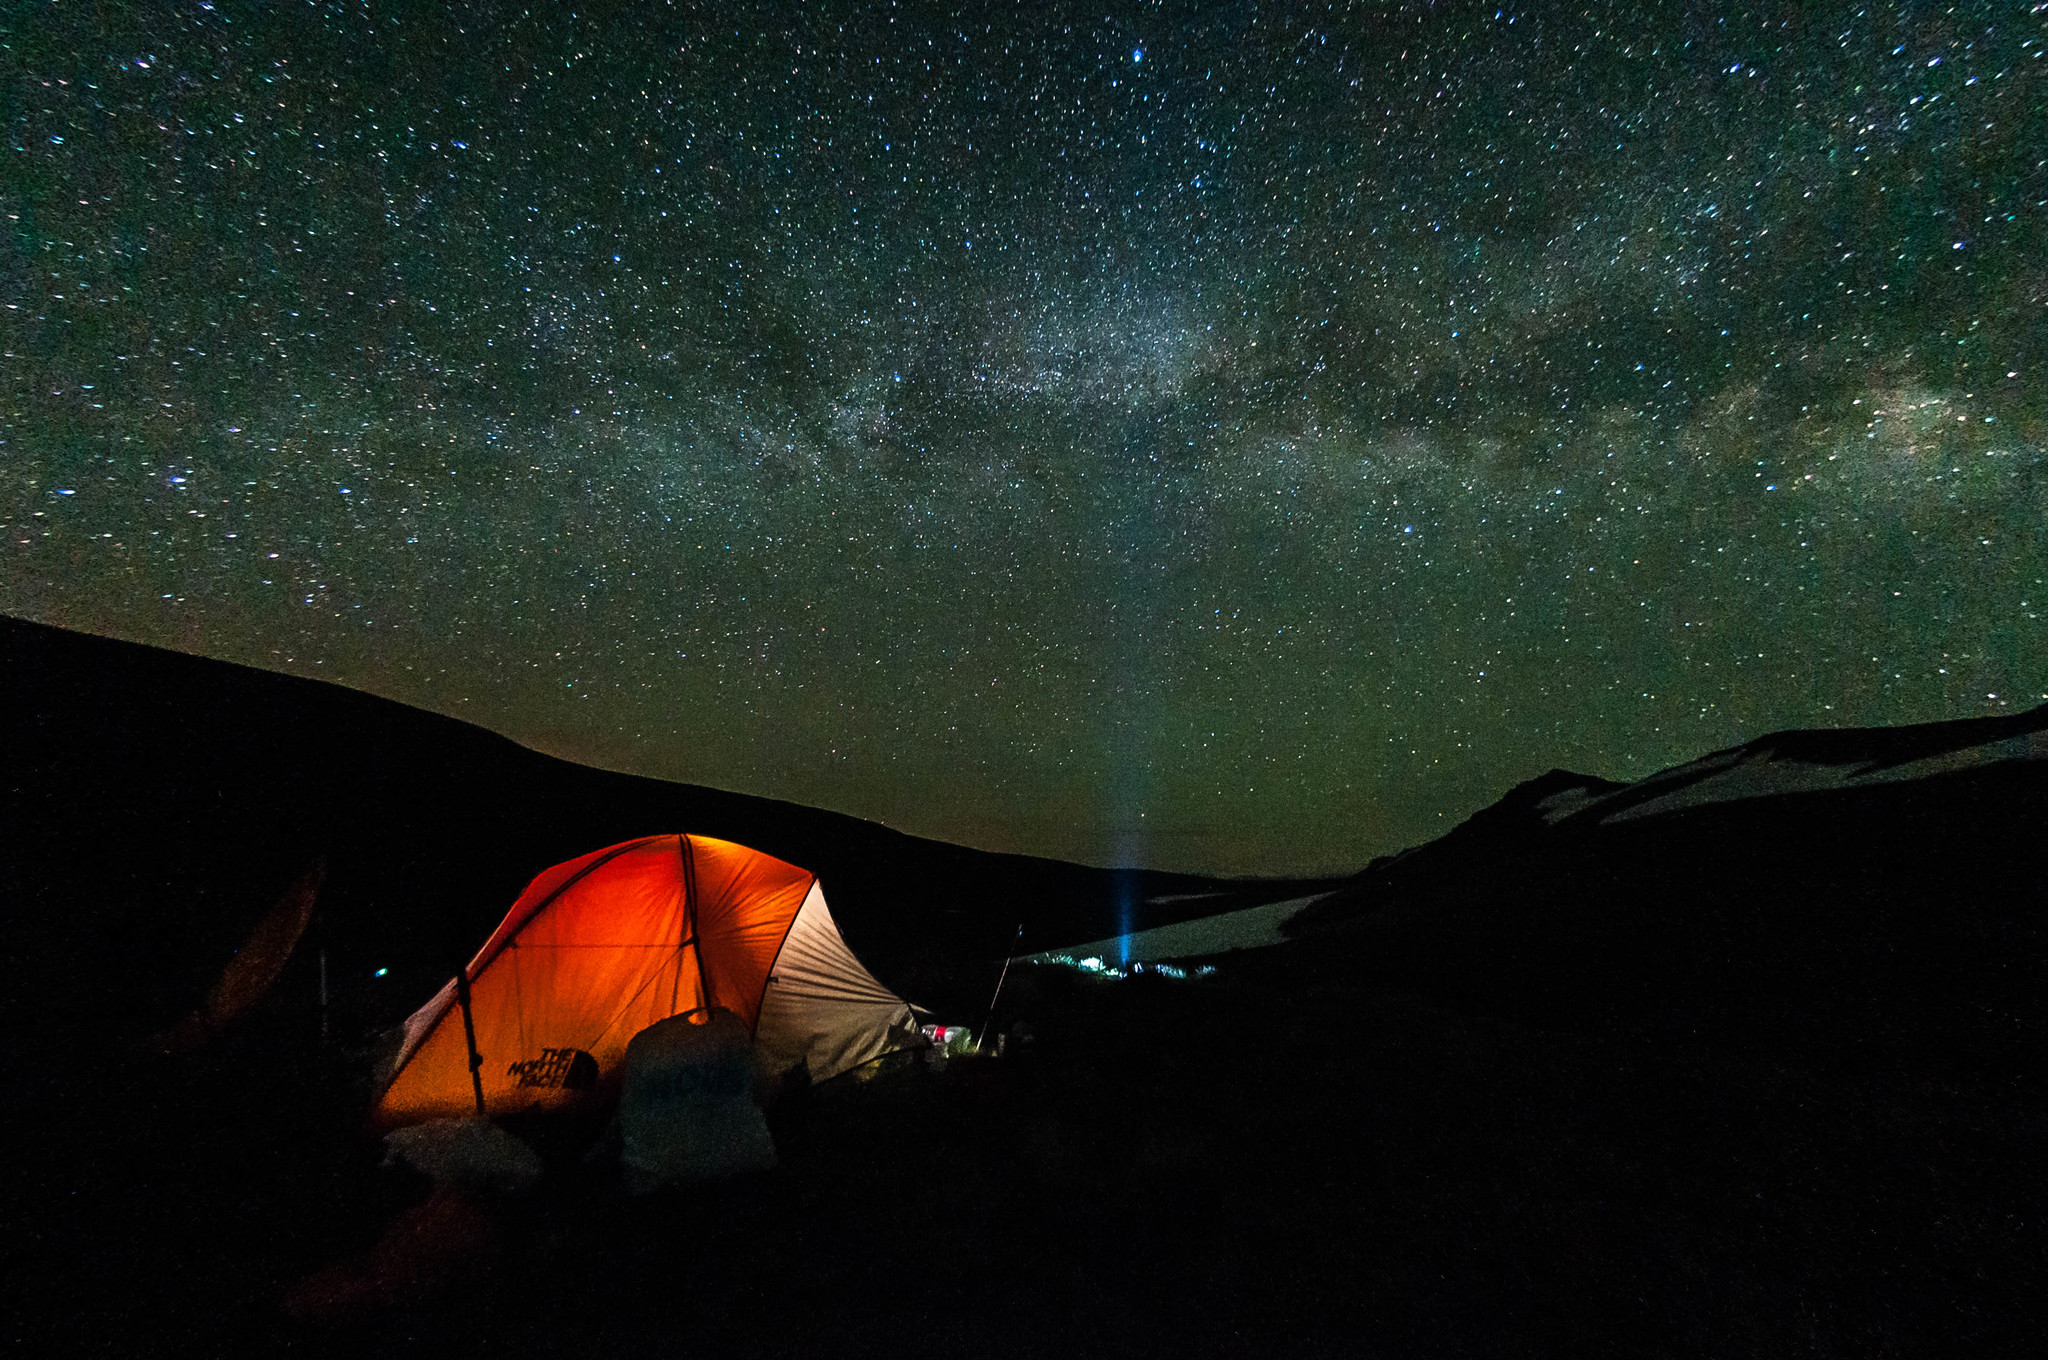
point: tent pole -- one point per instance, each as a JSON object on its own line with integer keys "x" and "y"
{"x": 704, "y": 996}
{"x": 476, "y": 1061}
{"x": 982, "y": 1038}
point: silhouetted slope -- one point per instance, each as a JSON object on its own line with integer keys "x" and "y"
{"x": 158, "y": 802}
{"x": 1850, "y": 889}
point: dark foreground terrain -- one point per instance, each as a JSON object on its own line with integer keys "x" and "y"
{"x": 1754, "y": 1070}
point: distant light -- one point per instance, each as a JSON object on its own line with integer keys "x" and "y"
{"x": 1409, "y": 530}
{"x": 1137, "y": 54}
{"x": 380, "y": 972}
{"x": 1097, "y": 967}
{"x": 66, "y": 491}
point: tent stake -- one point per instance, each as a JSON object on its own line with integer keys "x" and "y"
{"x": 982, "y": 1038}
{"x": 476, "y": 1061}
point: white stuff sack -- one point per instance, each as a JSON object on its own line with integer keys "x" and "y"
{"x": 687, "y": 1111}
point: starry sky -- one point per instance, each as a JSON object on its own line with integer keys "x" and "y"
{"x": 1233, "y": 437}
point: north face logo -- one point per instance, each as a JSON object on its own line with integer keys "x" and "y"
{"x": 570, "y": 1069}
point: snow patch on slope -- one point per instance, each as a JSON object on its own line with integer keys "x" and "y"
{"x": 1250, "y": 928}
{"x": 1761, "y": 770}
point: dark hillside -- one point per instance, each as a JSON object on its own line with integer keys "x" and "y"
{"x": 158, "y": 803}
{"x": 1740, "y": 1059}
{"x": 1866, "y": 915}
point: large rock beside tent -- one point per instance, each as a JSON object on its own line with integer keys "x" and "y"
{"x": 464, "y": 1154}
{"x": 687, "y": 1111}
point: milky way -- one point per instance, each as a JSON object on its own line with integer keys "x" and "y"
{"x": 1229, "y": 437}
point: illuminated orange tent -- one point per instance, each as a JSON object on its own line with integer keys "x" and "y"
{"x": 599, "y": 948}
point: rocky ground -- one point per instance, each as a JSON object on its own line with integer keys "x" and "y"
{"x": 1240, "y": 1165}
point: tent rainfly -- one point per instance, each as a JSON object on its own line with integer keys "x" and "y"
{"x": 599, "y": 948}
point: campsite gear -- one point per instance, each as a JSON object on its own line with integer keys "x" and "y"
{"x": 945, "y": 1042}
{"x": 952, "y": 1040}
{"x": 1001, "y": 978}
{"x": 603, "y": 946}
{"x": 687, "y": 1111}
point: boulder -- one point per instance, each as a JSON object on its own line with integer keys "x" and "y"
{"x": 464, "y": 1154}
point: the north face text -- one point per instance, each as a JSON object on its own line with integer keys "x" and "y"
{"x": 567, "y": 1068}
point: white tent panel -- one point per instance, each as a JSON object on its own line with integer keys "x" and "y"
{"x": 821, "y": 1007}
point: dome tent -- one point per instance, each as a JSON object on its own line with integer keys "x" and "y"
{"x": 603, "y": 946}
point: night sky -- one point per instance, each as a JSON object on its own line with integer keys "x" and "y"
{"x": 1231, "y": 437}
